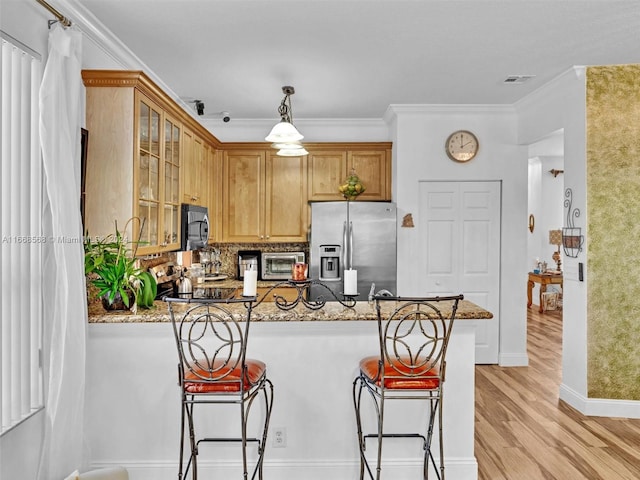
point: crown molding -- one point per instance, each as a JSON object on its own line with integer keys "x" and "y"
{"x": 110, "y": 44}
{"x": 395, "y": 110}
{"x": 547, "y": 90}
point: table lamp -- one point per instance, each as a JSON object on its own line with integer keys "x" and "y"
{"x": 555, "y": 238}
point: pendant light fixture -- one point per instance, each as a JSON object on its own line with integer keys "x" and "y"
{"x": 284, "y": 135}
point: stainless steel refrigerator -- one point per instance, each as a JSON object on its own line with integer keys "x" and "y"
{"x": 352, "y": 235}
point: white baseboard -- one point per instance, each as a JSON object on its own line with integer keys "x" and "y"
{"x": 600, "y": 407}
{"x": 400, "y": 469}
{"x": 513, "y": 360}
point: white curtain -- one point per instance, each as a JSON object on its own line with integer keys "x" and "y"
{"x": 65, "y": 303}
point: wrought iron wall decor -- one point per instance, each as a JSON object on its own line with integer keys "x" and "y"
{"x": 302, "y": 288}
{"x": 572, "y": 238}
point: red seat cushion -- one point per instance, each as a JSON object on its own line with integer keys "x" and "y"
{"x": 395, "y": 380}
{"x": 231, "y": 381}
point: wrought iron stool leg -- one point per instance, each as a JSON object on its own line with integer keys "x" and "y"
{"x": 182, "y": 424}
{"x": 193, "y": 462}
{"x": 357, "y": 397}
{"x": 243, "y": 428}
{"x": 440, "y": 437}
{"x": 380, "y": 435}
{"x": 268, "y": 403}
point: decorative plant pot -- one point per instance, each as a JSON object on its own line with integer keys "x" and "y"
{"x": 118, "y": 302}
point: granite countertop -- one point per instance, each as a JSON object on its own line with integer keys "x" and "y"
{"x": 270, "y": 312}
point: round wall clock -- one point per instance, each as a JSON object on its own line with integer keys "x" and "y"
{"x": 462, "y": 146}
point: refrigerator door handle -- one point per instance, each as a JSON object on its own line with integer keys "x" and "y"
{"x": 345, "y": 257}
{"x": 350, "y": 245}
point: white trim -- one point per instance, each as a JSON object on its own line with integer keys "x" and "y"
{"x": 420, "y": 109}
{"x": 513, "y": 360}
{"x": 600, "y": 407}
{"x": 338, "y": 469}
{"x": 531, "y": 100}
{"x": 110, "y": 44}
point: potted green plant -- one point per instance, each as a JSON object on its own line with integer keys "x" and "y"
{"x": 111, "y": 267}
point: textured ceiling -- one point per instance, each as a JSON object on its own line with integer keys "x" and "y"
{"x": 353, "y": 58}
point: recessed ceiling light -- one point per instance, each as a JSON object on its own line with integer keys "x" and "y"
{"x": 518, "y": 79}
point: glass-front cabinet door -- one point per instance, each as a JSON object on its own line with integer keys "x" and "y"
{"x": 171, "y": 183}
{"x": 158, "y": 174}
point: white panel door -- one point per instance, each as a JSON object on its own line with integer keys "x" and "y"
{"x": 460, "y": 231}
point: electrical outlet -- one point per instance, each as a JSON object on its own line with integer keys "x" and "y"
{"x": 279, "y": 437}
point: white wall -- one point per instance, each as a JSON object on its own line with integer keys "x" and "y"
{"x": 20, "y": 448}
{"x": 561, "y": 105}
{"x": 133, "y": 403}
{"x": 419, "y": 134}
{"x": 535, "y": 192}
{"x": 546, "y": 200}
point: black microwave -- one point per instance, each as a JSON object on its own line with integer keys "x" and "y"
{"x": 194, "y": 227}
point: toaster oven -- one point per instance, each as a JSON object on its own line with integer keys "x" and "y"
{"x": 278, "y": 265}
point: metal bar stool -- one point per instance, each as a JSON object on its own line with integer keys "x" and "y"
{"x": 413, "y": 336}
{"x": 211, "y": 337}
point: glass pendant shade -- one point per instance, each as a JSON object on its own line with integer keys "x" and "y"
{"x": 292, "y": 152}
{"x": 286, "y": 145}
{"x": 284, "y": 132}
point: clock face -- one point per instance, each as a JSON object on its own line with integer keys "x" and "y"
{"x": 462, "y": 146}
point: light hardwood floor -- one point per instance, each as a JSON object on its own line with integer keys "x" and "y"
{"x": 524, "y": 432}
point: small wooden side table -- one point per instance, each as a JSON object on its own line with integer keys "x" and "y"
{"x": 543, "y": 279}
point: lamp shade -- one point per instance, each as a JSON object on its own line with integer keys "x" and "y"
{"x": 287, "y": 145}
{"x": 284, "y": 132}
{"x": 555, "y": 237}
{"x": 292, "y": 152}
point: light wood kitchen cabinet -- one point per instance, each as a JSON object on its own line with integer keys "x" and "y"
{"x": 135, "y": 159}
{"x": 157, "y": 179}
{"x": 264, "y": 197}
{"x": 193, "y": 182}
{"x": 331, "y": 164}
{"x": 213, "y": 169}
{"x": 202, "y": 178}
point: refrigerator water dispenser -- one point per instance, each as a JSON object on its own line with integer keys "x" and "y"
{"x": 330, "y": 262}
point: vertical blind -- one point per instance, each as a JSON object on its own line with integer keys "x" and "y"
{"x": 22, "y": 240}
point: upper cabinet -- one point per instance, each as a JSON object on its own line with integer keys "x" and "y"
{"x": 201, "y": 177}
{"x": 146, "y": 156}
{"x": 213, "y": 165}
{"x": 138, "y": 141}
{"x": 264, "y": 197}
{"x": 194, "y": 181}
{"x": 331, "y": 164}
{"x": 286, "y": 209}
{"x": 156, "y": 180}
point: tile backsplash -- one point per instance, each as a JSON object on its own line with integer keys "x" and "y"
{"x": 229, "y": 254}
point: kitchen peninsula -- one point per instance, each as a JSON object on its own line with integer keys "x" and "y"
{"x": 312, "y": 358}
{"x": 270, "y": 312}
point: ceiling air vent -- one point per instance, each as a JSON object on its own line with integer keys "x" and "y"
{"x": 517, "y": 79}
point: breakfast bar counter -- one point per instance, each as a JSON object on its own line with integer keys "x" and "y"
{"x": 269, "y": 312}
{"x": 312, "y": 357}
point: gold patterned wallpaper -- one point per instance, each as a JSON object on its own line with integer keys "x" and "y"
{"x": 613, "y": 206}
